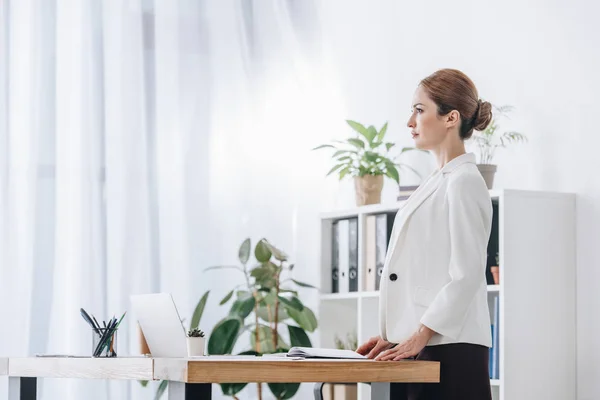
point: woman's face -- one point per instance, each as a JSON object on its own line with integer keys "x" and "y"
{"x": 428, "y": 130}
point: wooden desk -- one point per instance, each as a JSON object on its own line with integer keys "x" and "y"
{"x": 192, "y": 378}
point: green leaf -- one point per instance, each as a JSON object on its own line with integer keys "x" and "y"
{"x": 292, "y": 303}
{"x": 223, "y": 337}
{"x": 340, "y": 152}
{"x": 265, "y": 338}
{"x": 143, "y": 383}
{"x": 226, "y": 298}
{"x": 323, "y": 146}
{"x": 306, "y": 285}
{"x": 283, "y": 391}
{"x": 392, "y": 172}
{"x": 241, "y": 308}
{"x": 305, "y": 318}
{"x": 372, "y": 133}
{"x": 358, "y": 127}
{"x": 298, "y": 337}
{"x": 371, "y": 156}
{"x": 382, "y": 132}
{"x": 265, "y": 274}
{"x": 231, "y": 389}
{"x": 197, "y": 315}
{"x": 357, "y": 142}
{"x": 263, "y": 313}
{"x": 244, "y": 251}
{"x": 269, "y": 299}
{"x": 334, "y": 168}
{"x": 278, "y": 254}
{"x": 344, "y": 172}
{"x": 388, "y": 146}
{"x": 262, "y": 252}
{"x": 162, "y": 387}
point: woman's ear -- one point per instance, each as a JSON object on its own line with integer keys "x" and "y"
{"x": 452, "y": 119}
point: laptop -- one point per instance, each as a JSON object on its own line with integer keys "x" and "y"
{"x": 161, "y": 324}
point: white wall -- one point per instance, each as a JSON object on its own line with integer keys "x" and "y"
{"x": 540, "y": 56}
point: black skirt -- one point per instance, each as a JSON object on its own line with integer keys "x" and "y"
{"x": 464, "y": 373}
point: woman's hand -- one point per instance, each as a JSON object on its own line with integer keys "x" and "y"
{"x": 410, "y": 347}
{"x": 374, "y": 346}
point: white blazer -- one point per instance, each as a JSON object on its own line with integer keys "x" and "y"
{"x": 434, "y": 272}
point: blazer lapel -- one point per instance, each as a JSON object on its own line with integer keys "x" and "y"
{"x": 420, "y": 195}
{"x": 417, "y": 198}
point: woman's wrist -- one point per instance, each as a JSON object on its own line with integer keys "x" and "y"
{"x": 425, "y": 331}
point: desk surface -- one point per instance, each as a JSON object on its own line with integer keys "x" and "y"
{"x": 140, "y": 368}
{"x": 3, "y": 366}
{"x": 220, "y": 369}
{"x": 275, "y": 370}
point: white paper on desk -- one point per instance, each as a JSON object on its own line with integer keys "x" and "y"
{"x": 312, "y": 352}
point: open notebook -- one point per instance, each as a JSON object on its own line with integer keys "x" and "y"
{"x": 312, "y": 352}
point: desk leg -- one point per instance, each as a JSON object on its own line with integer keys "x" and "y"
{"x": 22, "y": 388}
{"x": 189, "y": 391}
{"x": 387, "y": 391}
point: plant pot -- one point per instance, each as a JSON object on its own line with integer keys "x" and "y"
{"x": 496, "y": 274}
{"x": 195, "y": 346}
{"x": 143, "y": 345}
{"x": 368, "y": 189}
{"x": 488, "y": 171}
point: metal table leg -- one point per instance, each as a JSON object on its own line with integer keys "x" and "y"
{"x": 189, "y": 391}
{"x": 387, "y": 391}
{"x": 318, "y": 390}
{"x": 22, "y": 388}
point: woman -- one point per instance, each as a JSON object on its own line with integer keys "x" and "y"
{"x": 433, "y": 299}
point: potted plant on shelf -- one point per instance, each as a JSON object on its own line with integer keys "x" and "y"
{"x": 367, "y": 159}
{"x": 488, "y": 140}
{"x": 195, "y": 342}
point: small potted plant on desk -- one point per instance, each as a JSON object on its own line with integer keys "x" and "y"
{"x": 195, "y": 342}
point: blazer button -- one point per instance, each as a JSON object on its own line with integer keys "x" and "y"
{"x": 393, "y": 277}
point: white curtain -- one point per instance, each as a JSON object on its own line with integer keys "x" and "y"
{"x": 141, "y": 141}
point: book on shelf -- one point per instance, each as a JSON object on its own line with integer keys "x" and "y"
{"x": 496, "y": 340}
{"x": 315, "y": 352}
{"x": 405, "y": 191}
{"x": 344, "y": 257}
{"x": 378, "y": 229}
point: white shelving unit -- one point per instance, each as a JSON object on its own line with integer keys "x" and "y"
{"x": 537, "y": 340}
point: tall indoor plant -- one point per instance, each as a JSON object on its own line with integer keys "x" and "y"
{"x": 367, "y": 159}
{"x": 488, "y": 140}
{"x": 265, "y": 305}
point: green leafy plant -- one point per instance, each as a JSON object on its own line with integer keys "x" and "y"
{"x": 366, "y": 154}
{"x": 265, "y": 305}
{"x": 488, "y": 140}
{"x": 195, "y": 333}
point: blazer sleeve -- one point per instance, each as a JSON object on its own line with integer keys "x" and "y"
{"x": 470, "y": 211}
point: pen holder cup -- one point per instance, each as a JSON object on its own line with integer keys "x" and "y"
{"x": 105, "y": 343}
